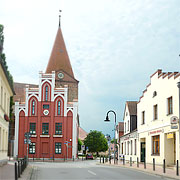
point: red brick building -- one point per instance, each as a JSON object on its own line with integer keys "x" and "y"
{"x": 50, "y": 110}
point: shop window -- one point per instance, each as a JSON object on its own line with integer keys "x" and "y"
{"x": 58, "y": 148}
{"x": 122, "y": 148}
{"x": 128, "y": 148}
{"x": 156, "y": 145}
{"x": 170, "y": 105}
{"x": 45, "y": 128}
{"x": 58, "y": 128}
{"x": 155, "y": 108}
{"x": 143, "y": 118}
{"x": 131, "y": 147}
{"x": 32, "y": 128}
{"x": 125, "y": 147}
{"x": 135, "y": 146}
{"x": 32, "y": 148}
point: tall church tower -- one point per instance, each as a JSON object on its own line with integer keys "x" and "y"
{"x": 60, "y": 63}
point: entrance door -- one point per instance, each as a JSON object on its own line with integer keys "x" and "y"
{"x": 143, "y": 151}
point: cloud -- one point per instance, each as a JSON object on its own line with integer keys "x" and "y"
{"x": 113, "y": 47}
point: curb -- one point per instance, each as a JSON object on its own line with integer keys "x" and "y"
{"x": 141, "y": 170}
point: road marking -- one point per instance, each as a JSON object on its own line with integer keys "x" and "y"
{"x": 92, "y": 172}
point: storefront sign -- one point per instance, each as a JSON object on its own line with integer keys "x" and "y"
{"x": 174, "y": 120}
{"x": 174, "y": 126}
{"x": 157, "y": 131}
{"x": 170, "y": 135}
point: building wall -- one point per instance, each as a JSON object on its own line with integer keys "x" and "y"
{"x": 163, "y": 87}
{"x": 45, "y": 144}
{"x": 5, "y": 94}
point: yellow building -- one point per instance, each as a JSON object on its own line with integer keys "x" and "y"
{"x": 6, "y": 91}
{"x": 157, "y": 112}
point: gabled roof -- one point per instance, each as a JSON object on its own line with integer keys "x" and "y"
{"x": 82, "y": 134}
{"x": 59, "y": 59}
{"x": 20, "y": 91}
{"x": 132, "y": 106}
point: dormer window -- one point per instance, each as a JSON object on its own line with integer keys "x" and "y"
{"x": 46, "y": 93}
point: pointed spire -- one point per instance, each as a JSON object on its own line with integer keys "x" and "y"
{"x": 59, "y": 59}
{"x": 60, "y": 18}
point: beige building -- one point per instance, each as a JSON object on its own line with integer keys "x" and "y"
{"x": 6, "y": 91}
{"x": 157, "y": 112}
{"x": 128, "y": 141}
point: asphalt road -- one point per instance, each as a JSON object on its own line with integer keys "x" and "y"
{"x": 85, "y": 170}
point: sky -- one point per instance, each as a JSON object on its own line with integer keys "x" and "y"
{"x": 114, "y": 46}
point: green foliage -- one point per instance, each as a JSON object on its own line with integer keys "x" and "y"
{"x": 3, "y": 57}
{"x": 11, "y": 108}
{"x": 112, "y": 141}
{"x": 96, "y": 142}
{"x": 79, "y": 144}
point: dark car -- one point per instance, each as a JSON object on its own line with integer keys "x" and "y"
{"x": 89, "y": 156}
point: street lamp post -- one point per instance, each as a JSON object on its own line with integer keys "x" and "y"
{"x": 178, "y": 84}
{"x": 107, "y": 120}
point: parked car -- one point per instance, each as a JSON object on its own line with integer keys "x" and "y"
{"x": 89, "y": 156}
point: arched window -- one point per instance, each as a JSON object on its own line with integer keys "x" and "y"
{"x": 33, "y": 107}
{"x": 46, "y": 93}
{"x": 59, "y": 107}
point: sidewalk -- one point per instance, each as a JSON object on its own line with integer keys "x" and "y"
{"x": 170, "y": 172}
{"x": 7, "y": 172}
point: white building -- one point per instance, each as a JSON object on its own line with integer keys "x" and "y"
{"x": 158, "y": 137}
{"x": 128, "y": 142}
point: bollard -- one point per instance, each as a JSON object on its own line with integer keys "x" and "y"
{"x": 16, "y": 174}
{"x": 33, "y": 157}
{"x": 73, "y": 158}
{"x": 100, "y": 159}
{"x": 123, "y": 160}
{"x": 164, "y": 166}
{"x": 64, "y": 159}
{"x": 153, "y": 164}
{"x": 19, "y": 173}
{"x": 130, "y": 161}
{"x": 103, "y": 159}
{"x": 53, "y": 157}
{"x": 177, "y": 168}
{"x": 137, "y": 162}
{"x": 144, "y": 163}
{"x": 109, "y": 159}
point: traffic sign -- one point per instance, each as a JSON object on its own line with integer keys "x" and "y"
{"x": 83, "y": 147}
{"x": 27, "y": 135}
{"x": 25, "y": 141}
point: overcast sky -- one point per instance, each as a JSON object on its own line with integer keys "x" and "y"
{"x": 114, "y": 46}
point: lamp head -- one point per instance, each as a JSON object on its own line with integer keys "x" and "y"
{"x": 107, "y": 119}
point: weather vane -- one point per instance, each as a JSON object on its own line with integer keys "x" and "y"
{"x": 60, "y": 18}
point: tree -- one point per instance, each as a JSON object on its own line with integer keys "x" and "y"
{"x": 96, "y": 142}
{"x": 112, "y": 141}
{"x": 79, "y": 144}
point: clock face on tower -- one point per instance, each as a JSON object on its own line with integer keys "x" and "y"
{"x": 60, "y": 75}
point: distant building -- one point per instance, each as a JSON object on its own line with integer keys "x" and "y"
{"x": 82, "y": 134}
{"x": 158, "y": 114}
{"x": 6, "y": 91}
{"x": 128, "y": 142}
{"x": 49, "y": 110}
{"x": 119, "y": 133}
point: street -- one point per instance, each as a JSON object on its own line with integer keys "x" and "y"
{"x": 85, "y": 170}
